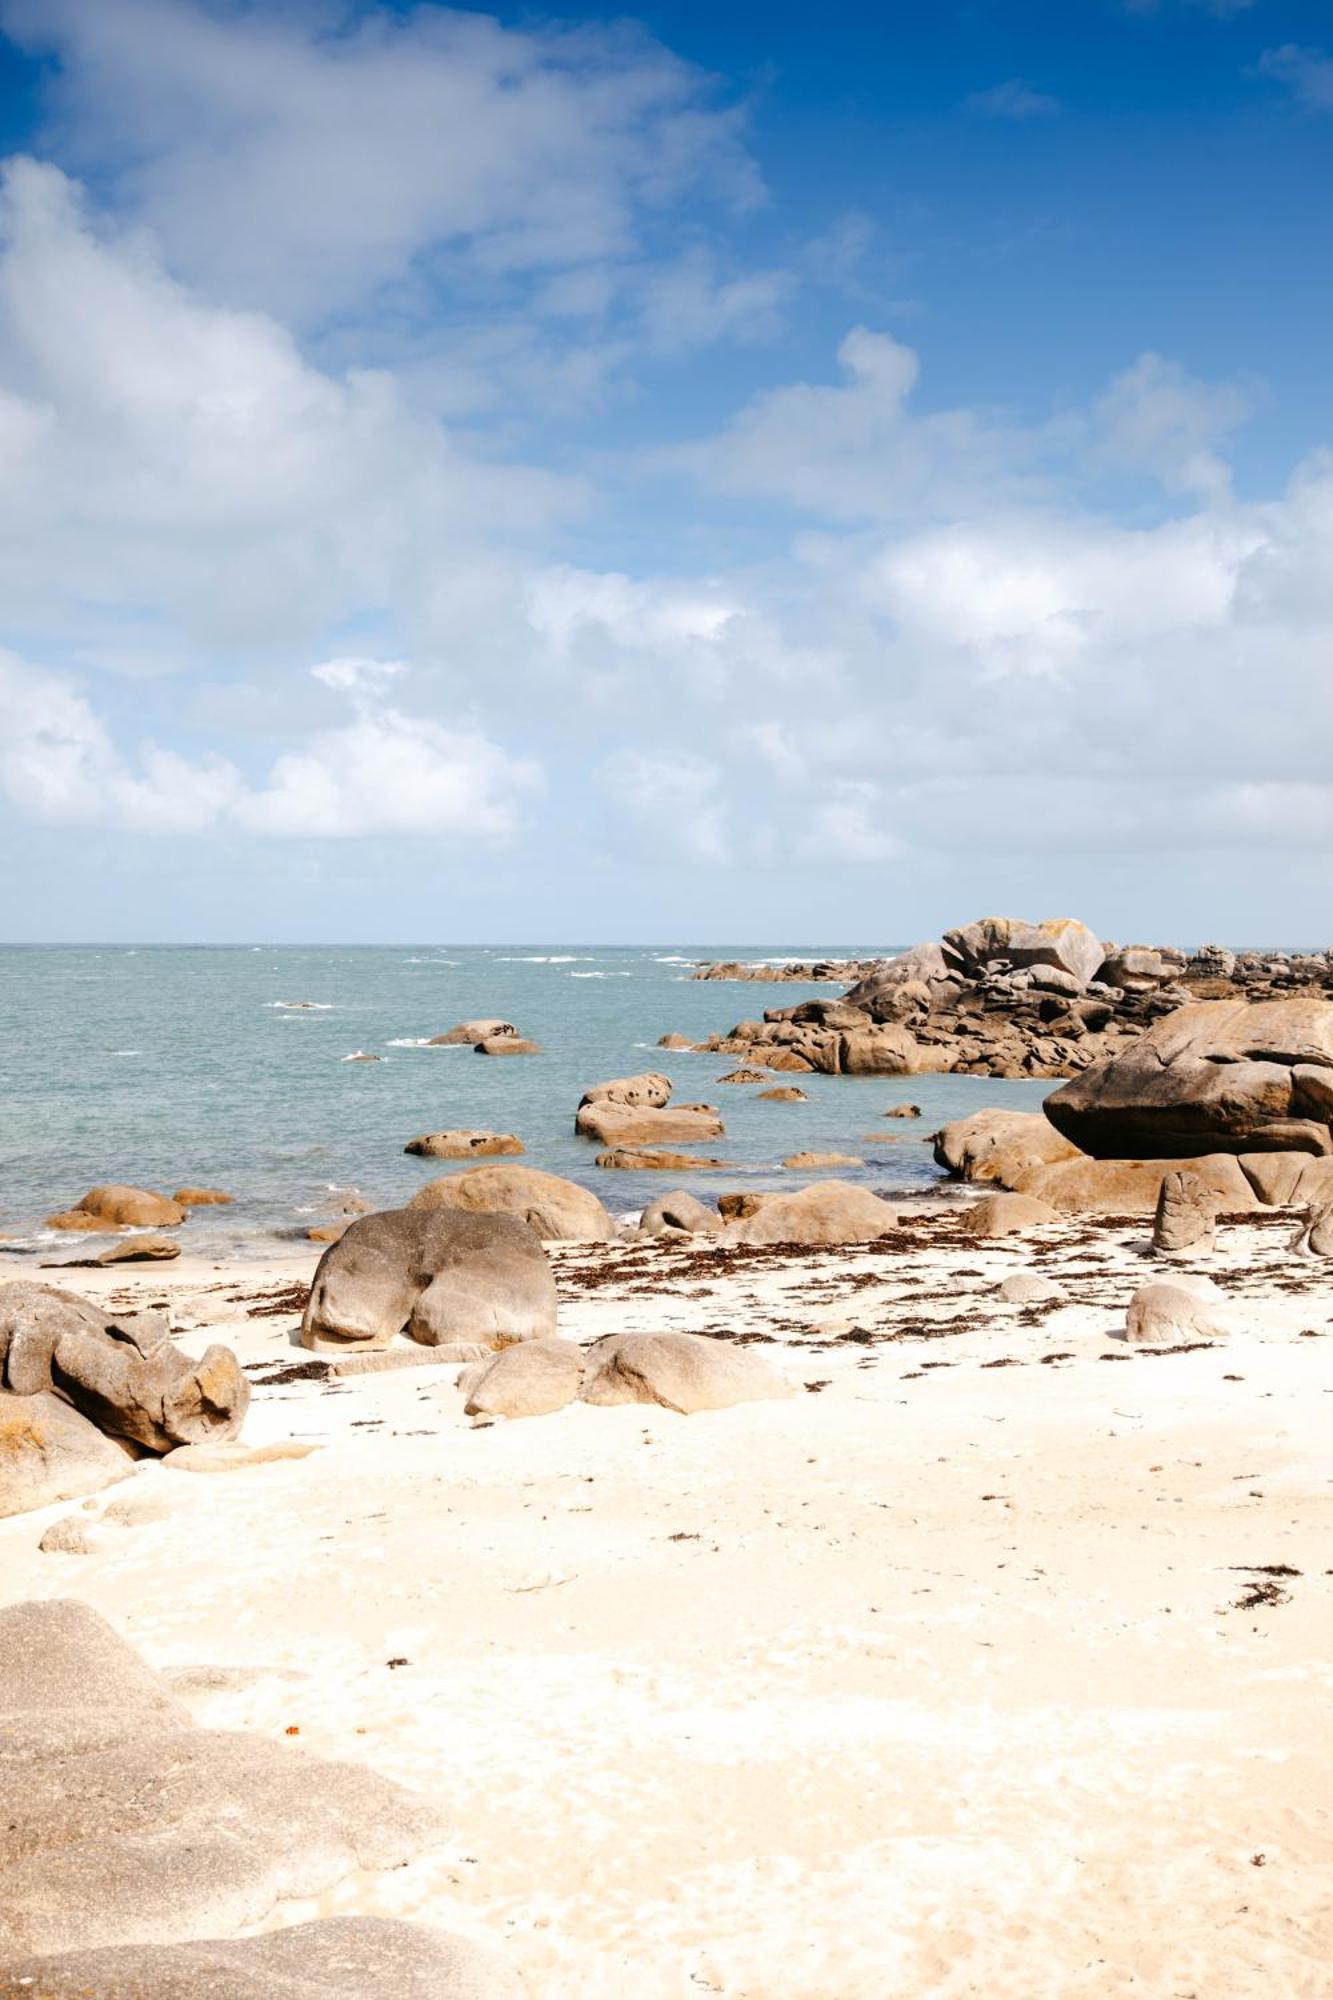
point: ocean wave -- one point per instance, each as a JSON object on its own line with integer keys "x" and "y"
{"x": 408, "y": 1042}
{"x": 600, "y": 975}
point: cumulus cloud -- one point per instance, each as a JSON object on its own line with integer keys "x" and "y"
{"x": 296, "y": 160}
{"x": 385, "y": 772}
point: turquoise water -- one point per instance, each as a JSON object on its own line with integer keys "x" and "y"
{"x": 162, "y": 1066}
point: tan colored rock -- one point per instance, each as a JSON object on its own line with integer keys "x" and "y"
{"x": 615, "y": 1124}
{"x": 1133, "y": 1187}
{"x": 744, "y": 1076}
{"x": 736, "y": 1207}
{"x": 679, "y": 1211}
{"x": 78, "y": 1220}
{"x": 556, "y": 1209}
{"x": 648, "y": 1087}
{"x": 507, "y": 1045}
{"x": 463, "y": 1145}
{"x": 790, "y": 1061}
{"x": 1061, "y": 942}
{"x": 49, "y": 1452}
{"x": 531, "y": 1381}
{"x": 235, "y": 1457}
{"x": 808, "y": 1162}
{"x": 827, "y": 1212}
{"x": 997, "y": 1215}
{"x": 996, "y": 1145}
{"x": 642, "y": 1160}
{"x": 114, "y": 1207}
{"x": 1186, "y": 1217}
{"x": 903, "y": 1111}
{"x": 674, "y": 1042}
{"x": 788, "y": 1093}
{"x": 201, "y": 1197}
{"x": 140, "y": 1250}
{"x": 68, "y": 1536}
{"x": 439, "y": 1273}
{"x": 1172, "y": 1312}
{"x": 1315, "y": 1236}
{"x": 328, "y": 1232}
{"x": 1027, "y": 1288}
{"x": 469, "y": 1033}
{"x": 680, "y": 1371}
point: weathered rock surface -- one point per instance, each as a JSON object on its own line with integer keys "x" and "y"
{"x": 1219, "y": 1076}
{"x": 140, "y": 1250}
{"x": 49, "y": 1452}
{"x": 555, "y": 1209}
{"x": 654, "y": 1159}
{"x": 468, "y": 1033}
{"x": 442, "y": 1275}
{"x": 126, "y": 1824}
{"x": 997, "y": 1215}
{"x": 828, "y": 1212}
{"x": 1172, "y": 1311}
{"x": 1315, "y": 1237}
{"x": 507, "y": 1045}
{"x": 121, "y": 1208}
{"x": 461, "y": 1145}
{"x": 785, "y": 1093}
{"x": 808, "y": 1162}
{"x": 1000, "y": 1145}
{"x": 120, "y": 1370}
{"x": 634, "y": 1111}
{"x": 903, "y": 1111}
{"x": 325, "y": 1960}
{"x": 681, "y": 1371}
{"x": 1028, "y": 1288}
{"x": 1023, "y": 1152}
{"x": 1186, "y": 1218}
{"x": 679, "y": 1210}
{"x": 1061, "y": 942}
{"x": 527, "y": 1381}
{"x": 201, "y": 1197}
{"x": 744, "y": 1076}
{"x": 841, "y": 970}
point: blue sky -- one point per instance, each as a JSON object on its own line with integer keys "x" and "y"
{"x": 718, "y": 474}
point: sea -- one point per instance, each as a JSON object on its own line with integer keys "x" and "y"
{"x": 166, "y": 1066}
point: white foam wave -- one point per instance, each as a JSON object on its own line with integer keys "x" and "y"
{"x": 409, "y": 1042}
{"x": 303, "y": 1006}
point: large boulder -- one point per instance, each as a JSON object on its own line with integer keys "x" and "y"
{"x": 324, "y": 1960}
{"x": 557, "y": 1210}
{"x": 461, "y": 1145}
{"x": 679, "y": 1211}
{"x": 448, "y": 1278}
{"x": 1133, "y": 1187}
{"x": 1060, "y": 941}
{"x": 121, "y": 1208}
{"x": 1218, "y": 1076}
{"x": 614, "y": 1124}
{"x": 681, "y": 1371}
{"x": 922, "y": 964}
{"x": 49, "y": 1452}
{"x": 125, "y": 1824}
{"x": 121, "y": 1370}
{"x": 1175, "y": 1311}
{"x": 828, "y": 1212}
{"x": 997, "y": 1145}
{"x": 528, "y": 1381}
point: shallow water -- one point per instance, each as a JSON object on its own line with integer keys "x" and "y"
{"x": 162, "y": 1066}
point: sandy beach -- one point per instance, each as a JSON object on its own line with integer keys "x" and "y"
{"x": 995, "y": 1661}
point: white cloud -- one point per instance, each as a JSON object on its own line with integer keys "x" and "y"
{"x": 671, "y": 803}
{"x": 1156, "y": 418}
{"x": 384, "y": 773}
{"x": 1307, "y": 74}
{"x": 299, "y": 159}
{"x": 1015, "y": 101}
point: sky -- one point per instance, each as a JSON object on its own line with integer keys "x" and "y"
{"x": 715, "y": 474}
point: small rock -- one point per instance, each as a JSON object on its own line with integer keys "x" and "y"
{"x": 139, "y": 1250}
{"x": 67, "y": 1537}
{"x": 507, "y": 1045}
{"x": 744, "y": 1076}
{"x": 1022, "y": 1288}
{"x": 462, "y": 1145}
{"x": 1005, "y": 1214}
{"x": 200, "y": 1197}
{"x": 531, "y": 1380}
{"x": 679, "y": 1211}
{"x": 1186, "y": 1216}
{"x": 903, "y": 1111}
{"x": 233, "y": 1457}
{"x": 650, "y": 1159}
{"x": 786, "y": 1093}
{"x": 1173, "y": 1311}
{"x": 809, "y": 1161}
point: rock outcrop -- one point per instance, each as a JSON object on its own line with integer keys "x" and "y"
{"x": 460, "y": 1282}
{"x": 635, "y": 1111}
{"x": 555, "y": 1209}
{"x": 462, "y": 1145}
{"x": 466, "y": 1034}
{"x": 120, "y": 1370}
{"x": 680, "y": 1371}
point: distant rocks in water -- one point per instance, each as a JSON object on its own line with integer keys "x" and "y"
{"x": 827, "y": 1212}
{"x": 744, "y": 1076}
{"x": 556, "y": 1209}
{"x": 128, "y": 1828}
{"x": 843, "y": 970}
{"x": 120, "y": 1370}
{"x": 140, "y": 1250}
{"x": 1005, "y": 997}
{"x": 461, "y": 1145}
{"x": 811, "y": 1161}
{"x": 1218, "y": 1076}
{"x": 468, "y": 1033}
{"x": 507, "y": 1045}
{"x": 784, "y": 1093}
{"x": 533, "y": 1380}
{"x": 49, "y": 1452}
{"x": 674, "y": 1041}
{"x": 1186, "y": 1217}
{"x": 361, "y": 1055}
{"x": 327, "y": 1232}
{"x": 447, "y": 1278}
{"x": 201, "y": 1197}
{"x": 635, "y": 1111}
{"x": 114, "y": 1207}
{"x": 1173, "y": 1312}
{"x": 679, "y": 1213}
{"x": 998, "y": 1215}
{"x": 655, "y": 1159}
{"x": 340, "y": 1211}
{"x": 903, "y": 1111}
{"x": 680, "y": 1371}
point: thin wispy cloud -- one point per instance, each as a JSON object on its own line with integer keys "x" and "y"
{"x": 1306, "y": 73}
{"x": 1014, "y": 100}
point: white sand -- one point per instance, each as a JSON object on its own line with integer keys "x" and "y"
{"x": 929, "y": 1683}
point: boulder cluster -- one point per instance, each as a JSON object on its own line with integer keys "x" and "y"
{"x": 84, "y": 1391}
{"x": 1004, "y": 997}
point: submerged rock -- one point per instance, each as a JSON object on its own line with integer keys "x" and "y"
{"x": 463, "y": 1145}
